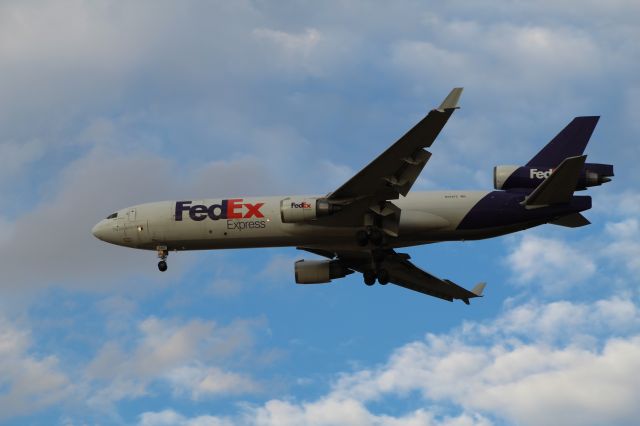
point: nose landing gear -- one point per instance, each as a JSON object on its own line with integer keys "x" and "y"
{"x": 162, "y": 255}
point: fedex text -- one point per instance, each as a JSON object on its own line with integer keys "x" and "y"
{"x": 227, "y": 209}
{"x": 300, "y": 205}
{"x": 539, "y": 174}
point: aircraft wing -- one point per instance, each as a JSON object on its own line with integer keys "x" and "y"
{"x": 394, "y": 171}
{"x": 403, "y": 273}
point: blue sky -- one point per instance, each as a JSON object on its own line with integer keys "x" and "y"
{"x": 104, "y": 105}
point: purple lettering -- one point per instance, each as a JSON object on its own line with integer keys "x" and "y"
{"x": 218, "y": 211}
{"x": 181, "y": 206}
{"x": 198, "y": 212}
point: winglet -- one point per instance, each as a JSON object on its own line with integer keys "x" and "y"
{"x": 451, "y": 101}
{"x": 478, "y": 289}
{"x": 475, "y": 292}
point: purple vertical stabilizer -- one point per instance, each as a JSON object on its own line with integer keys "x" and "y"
{"x": 570, "y": 142}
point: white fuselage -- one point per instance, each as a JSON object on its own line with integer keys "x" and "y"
{"x": 256, "y": 222}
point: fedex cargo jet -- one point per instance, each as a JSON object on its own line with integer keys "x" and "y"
{"x": 359, "y": 226}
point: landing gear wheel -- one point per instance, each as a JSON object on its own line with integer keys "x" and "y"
{"x": 383, "y": 276}
{"x": 163, "y": 252}
{"x": 362, "y": 238}
{"x": 369, "y": 277}
{"x": 376, "y": 237}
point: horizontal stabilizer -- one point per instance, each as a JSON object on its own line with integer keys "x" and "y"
{"x": 574, "y": 220}
{"x": 559, "y": 186}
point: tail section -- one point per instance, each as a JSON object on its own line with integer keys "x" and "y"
{"x": 570, "y": 142}
{"x": 558, "y": 188}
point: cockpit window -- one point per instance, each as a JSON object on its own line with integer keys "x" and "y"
{"x": 112, "y": 216}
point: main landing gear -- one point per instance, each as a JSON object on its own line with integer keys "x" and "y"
{"x": 370, "y": 277}
{"x": 376, "y": 237}
{"x": 162, "y": 255}
{"x": 370, "y": 235}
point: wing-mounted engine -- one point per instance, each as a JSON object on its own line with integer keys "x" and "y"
{"x": 296, "y": 210}
{"x": 319, "y": 271}
{"x": 529, "y": 177}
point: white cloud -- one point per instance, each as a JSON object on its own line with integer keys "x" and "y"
{"x": 325, "y": 412}
{"x": 61, "y": 224}
{"x": 27, "y": 382}
{"x": 531, "y": 60}
{"x": 224, "y": 287}
{"x": 559, "y": 363}
{"x": 200, "y": 381}
{"x": 549, "y": 264}
{"x": 311, "y": 52}
{"x": 293, "y": 44}
{"x": 280, "y": 267}
{"x": 524, "y": 383}
{"x": 188, "y": 356}
{"x": 6, "y": 230}
{"x": 90, "y": 188}
{"x": 336, "y": 174}
{"x": 15, "y": 157}
{"x": 627, "y": 203}
{"x": 332, "y": 411}
{"x": 172, "y": 418}
{"x": 624, "y": 247}
{"x": 534, "y": 320}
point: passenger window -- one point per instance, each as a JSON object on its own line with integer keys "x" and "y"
{"x": 112, "y": 216}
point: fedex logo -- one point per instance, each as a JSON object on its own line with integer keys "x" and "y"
{"x": 301, "y": 205}
{"x": 227, "y": 209}
{"x": 539, "y": 174}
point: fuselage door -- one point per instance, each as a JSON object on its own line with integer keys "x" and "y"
{"x": 162, "y": 222}
{"x": 130, "y": 227}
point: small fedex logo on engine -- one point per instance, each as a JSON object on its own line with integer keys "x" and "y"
{"x": 300, "y": 205}
{"x": 227, "y": 209}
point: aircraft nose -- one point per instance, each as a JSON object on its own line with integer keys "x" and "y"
{"x": 98, "y": 231}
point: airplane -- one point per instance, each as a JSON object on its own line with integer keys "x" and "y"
{"x": 359, "y": 226}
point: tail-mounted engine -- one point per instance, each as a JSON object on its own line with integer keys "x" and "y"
{"x": 305, "y": 209}
{"x": 319, "y": 271}
{"x": 512, "y": 177}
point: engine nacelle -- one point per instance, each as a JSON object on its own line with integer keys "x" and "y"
{"x": 529, "y": 177}
{"x": 501, "y": 175}
{"x": 305, "y": 209}
{"x": 319, "y": 271}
